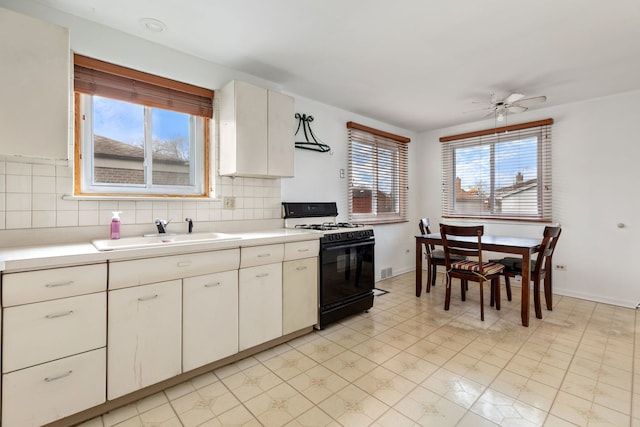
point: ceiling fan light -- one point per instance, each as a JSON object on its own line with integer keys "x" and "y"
{"x": 500, "y": 116}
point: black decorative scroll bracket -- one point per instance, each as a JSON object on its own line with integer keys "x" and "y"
{"x": 304, "y": 122}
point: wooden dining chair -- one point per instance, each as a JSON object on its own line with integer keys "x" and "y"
{"x": 468, "y": 270}
{"x": 434, "y": 257}
{"x": 540, "y": 268}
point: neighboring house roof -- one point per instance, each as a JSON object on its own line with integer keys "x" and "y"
{"x": 516, "y": 188}
{"x": 110, "y": 148}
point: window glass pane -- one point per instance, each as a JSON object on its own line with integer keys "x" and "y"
{"x": 172, "y": 148}
{"x": 472, "y": 179}
{"x": 118, "y": 142}
{"x": 387, "y": 181}
{"x": 517, "y": 177}
{"x": 363, "y": 177}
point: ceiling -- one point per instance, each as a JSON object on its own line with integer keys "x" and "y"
{"x": 416, "y": 64}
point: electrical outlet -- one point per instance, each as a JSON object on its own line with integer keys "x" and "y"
{"x": 560, "y": 267}
{"x": 229, "y": 203}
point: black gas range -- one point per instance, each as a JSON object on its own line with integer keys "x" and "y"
{"x": 346, "y": 260}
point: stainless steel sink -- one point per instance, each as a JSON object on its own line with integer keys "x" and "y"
{"x": 160, "y": 240}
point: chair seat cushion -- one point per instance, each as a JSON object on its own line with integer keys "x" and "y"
{"x": 439, "y": 254}
{"x": 513, "y": 264}
{"x": 489, "y": 268}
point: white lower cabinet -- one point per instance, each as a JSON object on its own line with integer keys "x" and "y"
{"x": 47, "y": 392}
{"x": 260, "y": 304}
{"x": 299, "y": 294}
{"x": 209, "y": 319}
{"x": 144, "y": 336}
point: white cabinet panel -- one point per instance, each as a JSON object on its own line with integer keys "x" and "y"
{"x": 260, "y": 304}
{"x": 151, "y": 270}
{"x": 257, "y": 128}
{"x": 42, "y": 285}
{"x": 299, "y": 250}
{"x": 54, "y": 390}
{"x": 299, "y": 294}
{"x": 144, "y": 336}
{"x": 210, "y": 318}
{"x": 40, "y": 332}
{"x": 260, "y": 255}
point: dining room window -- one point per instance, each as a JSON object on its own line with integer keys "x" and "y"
{"x": 139, "y": 134}
{"x": 378, "y": 181}
{"x": 501, "y": 173}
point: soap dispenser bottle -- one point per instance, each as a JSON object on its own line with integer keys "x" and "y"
{"x": 115, "y": 225}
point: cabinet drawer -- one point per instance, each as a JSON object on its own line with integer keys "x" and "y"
{"x": 299, "y": 250}
{"x": 124, "y": 274}
{"x": 44, "y": 331}
{"x": 44, "y": 285}
{"x": 45, "y": 393}
{"x": 261, "y": 255}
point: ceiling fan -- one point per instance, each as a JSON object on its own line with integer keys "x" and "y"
{"x": 512, "y": 103}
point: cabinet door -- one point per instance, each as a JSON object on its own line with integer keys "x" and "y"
{"x": 299, "y": 294}
{"x": 44, "y": 393}
{"x": 260, "y": 304}
{"x": 281, "y": 132}
{"x": 210, "y": 318}
{"x": 40, "y": 332}
{"x": 144, "y": 336}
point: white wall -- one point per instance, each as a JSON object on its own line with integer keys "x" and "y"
{"x": 595, "y": 153}
{"x": 317, "y": 178}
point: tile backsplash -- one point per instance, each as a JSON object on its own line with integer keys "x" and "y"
{"x": 37, "y": 194}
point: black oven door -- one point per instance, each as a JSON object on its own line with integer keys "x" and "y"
{"x": 346, "y": 272}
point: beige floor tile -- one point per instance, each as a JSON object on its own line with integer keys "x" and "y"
{"x": 278, "y": 406}
{"x": 350, "y": 365}
{"x": 411, "y": 367}
{"x": 251, "y": 382}
{"x": 385, "y": 385}
{"x": 393, "y": 418}
{"x": 583, "y": 412}
{"x": 431, "y": 351}
{"x": 290, "y": 363}
{"x": 95, "y": 422}
{"x": 204, "y": 404}
{"x": 161, "y": 415}
{"x": 353, "y": 407}
{"x": 375, "y": 350}
{"x": 397, "y": 338}
{"x": 238, "y": 417}
{"x": 347, "y": 337}
{"x": 321, "y": 349}
{"x": 536, "y": 394}
{"x": 430, "y": 409}
{"x": 504, "y": 410}
{"x": 458, "y": 389}
{"x": 318, "y": 383}
{"x": 541, "y": 372}
{"x": 314, "y": 417}
{"x": 471, "y": 368}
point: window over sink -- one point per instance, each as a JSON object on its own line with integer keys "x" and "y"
{"x": 139, "y": 134}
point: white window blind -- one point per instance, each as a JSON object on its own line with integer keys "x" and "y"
{"x": 377, "y": 175}
{"x": 502, "y": 173}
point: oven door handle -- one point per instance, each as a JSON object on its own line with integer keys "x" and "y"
{"x": 349, "y": 245}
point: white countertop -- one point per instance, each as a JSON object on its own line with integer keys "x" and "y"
{"x": 48, "y": 256}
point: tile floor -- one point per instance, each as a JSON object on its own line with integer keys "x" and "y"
{"x": 409, "y": 363}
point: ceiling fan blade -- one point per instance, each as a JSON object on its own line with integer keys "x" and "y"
{"x": 490, "y": 113}
{"x": 517, "y": 109}
{"x": 529, "y": 101}
{"x": 513, "y": 98}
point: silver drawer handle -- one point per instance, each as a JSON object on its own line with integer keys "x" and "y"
{"x": 56, "y": 315}
{"x": 184, "y": 263}
{"x": 66, "y": 374}
{"x": 55, "y": 285}
{"x": 301, "y": 268}
{"x": 211, "y": 285}
{"x": 262, "y": 275}
{"x": 263, "y": 255}
{"x": 303, "y": 250}
{"x": 150, "y": 297}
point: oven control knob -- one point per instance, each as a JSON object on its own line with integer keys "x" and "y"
{"x": 350, "y": 235}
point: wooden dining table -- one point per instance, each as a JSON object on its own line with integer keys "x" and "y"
{"x": 523, "y": 246}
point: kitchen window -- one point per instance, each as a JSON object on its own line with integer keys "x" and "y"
{"x": 502, "y": 173}
{"x": 377, "y": 175}
{"x": 139, "y": 134}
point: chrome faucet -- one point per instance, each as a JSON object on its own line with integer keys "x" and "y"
{"x": 161, "y": 224}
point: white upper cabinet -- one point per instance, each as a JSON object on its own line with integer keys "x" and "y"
{"x": 256, "y": 131}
